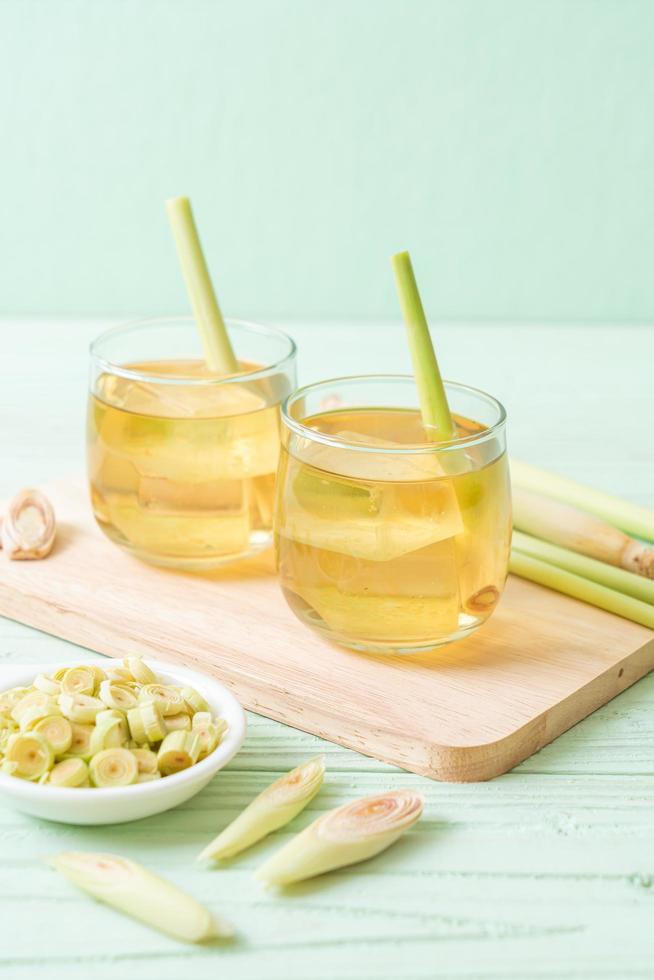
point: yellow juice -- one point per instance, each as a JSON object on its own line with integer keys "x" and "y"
{"x": 183, "y": 474}
{"x": 390, "y": 550}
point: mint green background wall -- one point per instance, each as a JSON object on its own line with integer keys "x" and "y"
{"x": 508, "y": 143}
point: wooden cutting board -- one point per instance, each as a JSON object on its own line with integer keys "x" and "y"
{"x": 467, "y": 712}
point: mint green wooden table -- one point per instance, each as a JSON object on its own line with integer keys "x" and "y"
{"x": 546, "y": 872}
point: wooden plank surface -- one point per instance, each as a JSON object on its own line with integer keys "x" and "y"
{"x": 545, "y": 872}
{"x": 467, "y": 712}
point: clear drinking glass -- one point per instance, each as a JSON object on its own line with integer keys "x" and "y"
{"x": 182, "y": 461}
{"x": 386, "y": 542}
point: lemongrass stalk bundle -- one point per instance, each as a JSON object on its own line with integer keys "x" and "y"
{"x": 573, "y": 585}
{"x": 218, "y": 351}
{"x": 273, "y": 808}
{"x": 562, "y": 524}
{"x": 352, "y": 833}
{"x": 131, "y": 889}
{"x": 629, "y": 517}
{"x": 436, "y": 416}
{"x": 597, "y": 571}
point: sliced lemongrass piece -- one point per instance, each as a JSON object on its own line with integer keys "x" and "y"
{"x": 8, "y": 768}
{"x": 168, "y": 698}
{"x": 69, "y": 772}
{"x": 113, "y": 767}
{"x": 47, "y": 685}
{"x": 28, "y": 527}
{"x": 9, "y": 699}
{"x": 352, "y": 833}
{"x": 178, "y": 751}
{"x": 597, "y": 571}
{"x": 98, "y": 674}
{"x": 136, "y": 726}
{"x": 202, "y": 718}
{"x": 209, "y": 733}
{"x": 436, "y": 416}
{"x": 569, "y": 527}
{"x": 78, "y": 680}
{"x": 558, "y": 579}
{"x": 29, "y": 700}
{"x": 218, "y": 351}
{"x": 148, "y": 777}
{"x": 146, "y": 760}
{"x": 120, "y": 675}
{"x": 194, "y": 700}
{"x": 629, "y": 517}
{"x": 112, "y": 716}
{"x": 59, "y": 673}
{"x": 81, "y": 743}
{"x": 117, "y": 696}
{"x": 270, "y": 810}
{"x": 80, "y": 708}
{"x": 153, "y": 721}
{"x": 58, "y": 731}
{"x": 129, "y": 888}
{"x": 31, "y": 754}
{"x": 35, "y": 713}
{"x": 139, "y": 670}
{"x": 178, "y": 723}
{"x": 107, "y": 736}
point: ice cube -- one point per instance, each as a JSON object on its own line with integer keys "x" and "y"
{"x": 374, "y": 521}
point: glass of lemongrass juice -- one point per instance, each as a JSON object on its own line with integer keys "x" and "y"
{"x": 181, "y": 459}
{"x": 386, "y": 541}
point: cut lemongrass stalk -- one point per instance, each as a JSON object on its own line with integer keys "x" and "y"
{"x": 129, "y": 888}
{"x": 139, "y": 670}
{"x": 71, "y": 772}
{"x": 629, "y": 517}
{"x": 569, "y": 527}
{"x": 56, "y": 730}
{"x": 597, "y": 571}
{"x": 560, "y": 580}
{"x": 31, "y": 754}
{"x": 217, "y": 347}
{"x": 436, "y": 416}
{"x": 352, "y": 833}
{"x": 113, "y": 767}
{"x": 270, "y": 810}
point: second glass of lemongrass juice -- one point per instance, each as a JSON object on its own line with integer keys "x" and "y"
{"x": 387, "y": 542}
{"x": 182, "y": 461}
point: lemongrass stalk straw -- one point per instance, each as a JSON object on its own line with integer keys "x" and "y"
{"x": 597, "y": 571}
{"x": 218, "y": 351}
{"x": 631, "y": 518}
{"x": 569, "y": 527}
{"x": 436, "y": 416}
{"x": 560, "y": 580}
{"x": 273, "y": 808}
{"x": 352, "y": 833}
{"x": 129, "y": 888}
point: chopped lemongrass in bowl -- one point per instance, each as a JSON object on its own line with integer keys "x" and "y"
{"x": 149, "y": 735}
{"x": 112, "y": 725}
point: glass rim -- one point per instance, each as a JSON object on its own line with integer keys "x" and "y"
{"x": 419, "y": 448}
{"x": 146, "y": 323}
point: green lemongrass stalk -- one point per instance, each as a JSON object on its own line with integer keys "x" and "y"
{"x": 270, "y": 810}
{"x": 573, "y": 585}
{"x": 218, "y": 351}
{"x": 436, "y": 416}
{"x": 597, "y": 571}
{"x": 129, "y": 888}
{"x": 629, "y": 517}
{"x": 578, "y": 530}
{"x": 352, "y": 833}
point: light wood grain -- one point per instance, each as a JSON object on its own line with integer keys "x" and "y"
{"x": 468, "y": 712}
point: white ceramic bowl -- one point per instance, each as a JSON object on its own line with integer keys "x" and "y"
{"x": 117, "y": 805}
